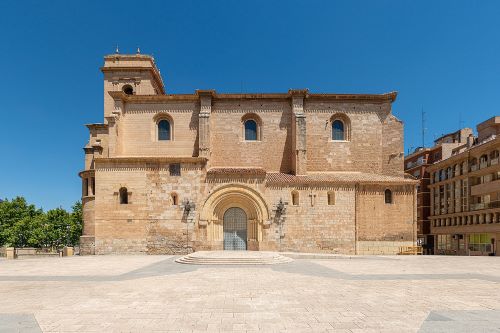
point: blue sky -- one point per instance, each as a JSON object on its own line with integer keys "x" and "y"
{"x": 442, "y": 56}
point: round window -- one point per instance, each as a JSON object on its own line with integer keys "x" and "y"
{"x": 127, "y": 89}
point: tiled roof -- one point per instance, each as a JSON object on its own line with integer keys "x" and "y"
{"x": 236, "y": 171}
{"x": 337, "y": 177}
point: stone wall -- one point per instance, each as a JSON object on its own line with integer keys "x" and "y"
{"x": 362, "y": 152}
{"x": 138, "y": 129}
{"x": 228, "y": 146}
{"x": 151, "y": 224}
{"x": 207, "y": 134}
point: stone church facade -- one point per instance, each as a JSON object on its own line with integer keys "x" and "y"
{"x": 294, "y": 171}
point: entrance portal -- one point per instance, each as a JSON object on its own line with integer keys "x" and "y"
{"x": 235, "y": 229}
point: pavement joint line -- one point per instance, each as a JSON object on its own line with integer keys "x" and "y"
{"x": 299, "y": 266}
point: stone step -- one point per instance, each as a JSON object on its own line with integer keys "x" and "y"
{"x": 233, "y": 258}
{"x": 235, "y": 261}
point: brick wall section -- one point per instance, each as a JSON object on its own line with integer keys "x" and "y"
{"x": 392, "y": 225}
{"x": 228, "y": 147}
{"x": 139, "y": 131}
{"x": 392, "y": 146}
{"x": 362, "y": 153}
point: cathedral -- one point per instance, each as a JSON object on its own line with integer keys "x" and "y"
{"x": 292, "y": 171}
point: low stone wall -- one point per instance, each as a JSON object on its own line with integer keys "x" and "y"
{"x": 381, "y": 247}
{"x": 87, "y": 245}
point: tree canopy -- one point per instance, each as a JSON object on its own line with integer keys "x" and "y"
{"x": 24, "y": 225}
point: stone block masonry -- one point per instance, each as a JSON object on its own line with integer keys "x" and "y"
{"x": 310, "y": 172}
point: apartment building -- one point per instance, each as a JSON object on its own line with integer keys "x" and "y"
{"x": 465, "y": 195}
{"x": 416, "y": 164}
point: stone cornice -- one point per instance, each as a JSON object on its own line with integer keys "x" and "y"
{"x": 97, "y": 126}
{"x": 120, "y": 95}
{"x": 373, "y": 98}
{"x": 154, "y": 71}
{"x": 87, "y": 173}
{"x": 149, "y": 159}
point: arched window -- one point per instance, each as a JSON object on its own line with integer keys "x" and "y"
{"x": 175, "y": 199}
{"x": 123, "y": 196}
{"x": 388, "y": 196}
{"x": 338, "y": 133}
{"x": 127, "y": 89}
{"x": 295, "y": 198}
{"x": 163, "y": 130}
{"x": 250, "y": 130}
{"x": 331, "y": 198}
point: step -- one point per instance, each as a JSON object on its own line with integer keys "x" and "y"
{"x": 233, "y": 258}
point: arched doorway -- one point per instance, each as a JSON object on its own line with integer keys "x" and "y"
{"x": 235, "y": 229}
{"x": 220, "y": 201}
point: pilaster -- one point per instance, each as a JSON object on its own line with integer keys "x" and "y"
{"x": 299, "y": 142}
{"x": 204, "y": 122}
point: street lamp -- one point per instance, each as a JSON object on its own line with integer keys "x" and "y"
{"x": 280, "y": 208}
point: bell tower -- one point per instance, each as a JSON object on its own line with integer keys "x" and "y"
{"x": 133, "y": 74}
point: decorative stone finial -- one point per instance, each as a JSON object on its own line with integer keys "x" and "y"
{"x": 117, "y": 50}
{"x": 138, "y": 50}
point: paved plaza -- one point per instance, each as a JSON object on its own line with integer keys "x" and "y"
{"x": 154, "y": 293}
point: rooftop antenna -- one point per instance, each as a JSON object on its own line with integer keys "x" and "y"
{"x": 423, "y": 127}
{"x": 117, "y": 50}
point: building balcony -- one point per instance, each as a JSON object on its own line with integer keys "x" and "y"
{"x": 485, "y": 205}
{"x": 494, "y": 161}
{"x": 410, "y": 165}
{"x": 485, "y": 188}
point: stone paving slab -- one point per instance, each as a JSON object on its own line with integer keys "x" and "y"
{"x": 153, "y": 294}
{"x": 461, "y": 321}
{"x": 18, "y": 322}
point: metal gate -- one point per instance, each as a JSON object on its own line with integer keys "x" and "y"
{"x": 235, "y": 229}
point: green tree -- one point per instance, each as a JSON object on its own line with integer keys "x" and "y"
{"x": 23, "y": 225}
{"x": 14, "y": 212}
{"x": 77, "y": 223}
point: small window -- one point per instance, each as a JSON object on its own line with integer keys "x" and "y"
{"x": 92, "y": 185}
{"x": 338, "y": 131}
{"x": 163, "y": 130}
{"x": 250, "y": 130}
{"x": 295, "y": 198}
{"x": 175, "y": 199}
{"x": 123, "y": 196}
{"x": 85, "y": 187}
{"x": 127, "y": 89}
{"x": 331, "y": 198}
{"x": 174, "y": 169}
{"x": 388, "y": 196}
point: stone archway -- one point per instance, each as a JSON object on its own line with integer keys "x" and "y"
{"x": 234, "y": 196}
